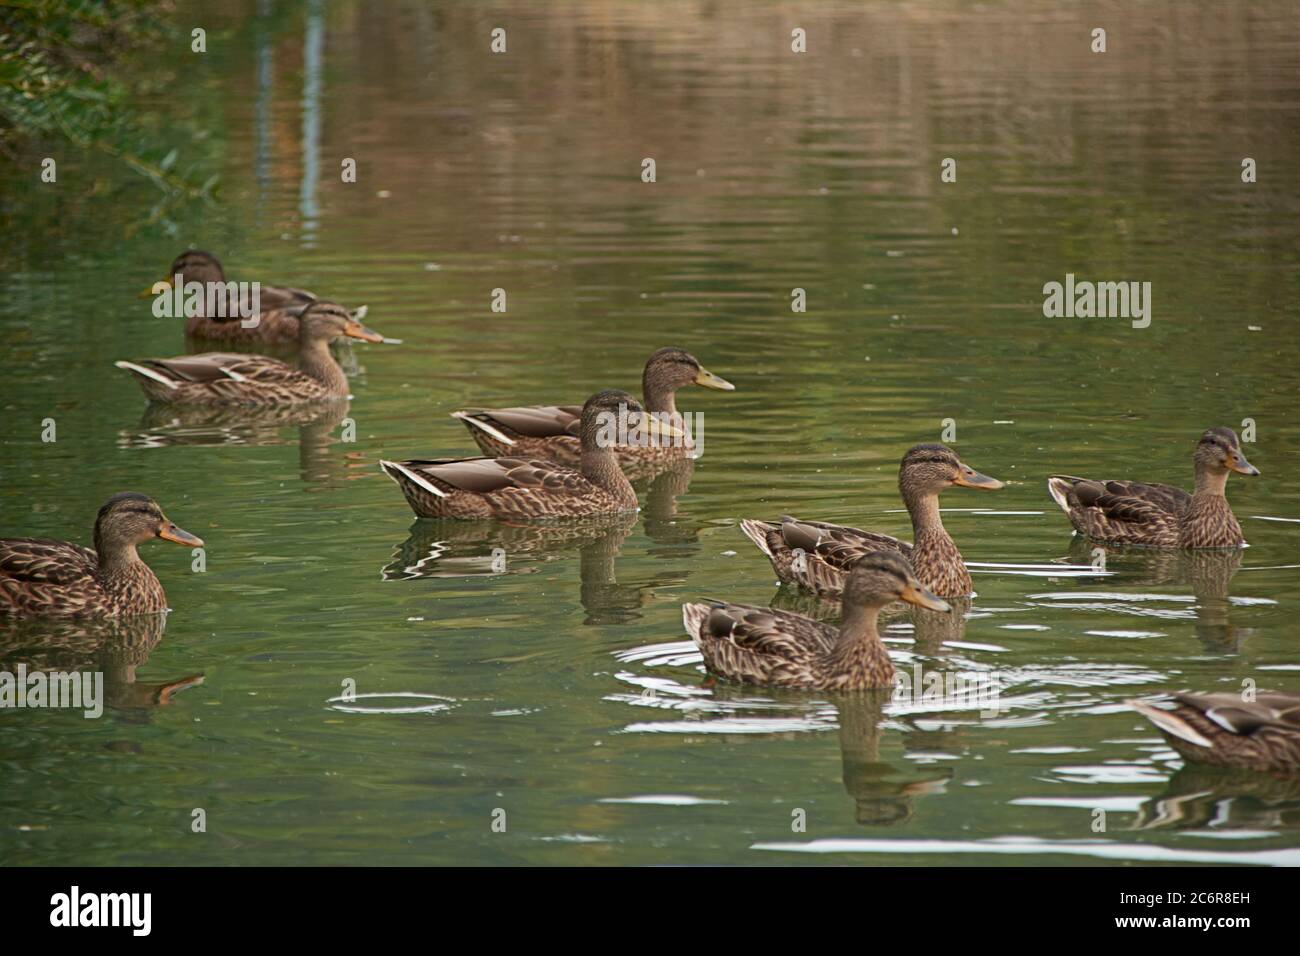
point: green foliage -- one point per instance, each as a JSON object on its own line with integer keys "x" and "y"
{"x": 57, "y": 60}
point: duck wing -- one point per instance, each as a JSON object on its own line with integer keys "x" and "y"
{"x": 40, "y": 561}
{"x": 839, "y": 546}
{"x": 756, "y": 645}
{"x": 488, "y": 475}
{"x": 530, "y": 421}
{"x": 1120, "y": 510}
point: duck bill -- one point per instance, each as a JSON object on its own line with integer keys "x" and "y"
{"x": 156, "y": 288}
{"x": 970, "y": 478}
{"x": 651, "y": 431}
{"x": 1241, "y": 466}
{"x": 916, "y": 594}
{"x": 171, "y": 532}
{"x": 707, "y": 379}
{"x": 355, "y": 330}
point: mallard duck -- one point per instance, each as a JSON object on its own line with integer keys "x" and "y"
{"x": 815, "y": 555}
{"x": 40, "y": 577}
{"x": 757, "y": 645}
{"x": 551, "y": 431}
{"x": 1224, "y": 730}
{"x": 280, "y": 308}
{"x": 221, "y": 378}
{"x": 1161, "y": 516}
{"x": 532, "y": 487}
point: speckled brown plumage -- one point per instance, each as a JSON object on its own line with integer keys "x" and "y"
{"x": 40, "y": 577}
{"x": 550, "y": 432}
{"x": 815, "y": 555}
{"x": 280, "y": 308}
{"x": 1226, "y": 731}
{"x": 762, "y": 646}
{"x": 525, "y": 488}
{"x": 221, "y": 378}
{"x": 1161, "y": 516}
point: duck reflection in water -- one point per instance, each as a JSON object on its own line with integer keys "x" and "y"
{"x": 320, "y": 426}
{"x": 664, "y": 525}
{"x": 883, "y": 794}
{"x": 1207, "y": 573}
{"x": 116, "y": 647}
{"x": 441, "y": 548}
{"x": 1200, "y": 797}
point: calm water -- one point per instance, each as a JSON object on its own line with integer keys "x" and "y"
{"x": 563, "y": 691}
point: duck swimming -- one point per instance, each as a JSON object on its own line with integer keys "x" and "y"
{"x": 755, "y": 645}
{"x": 551, "y": 431}
{"x": 533, "y": 487}
{"x": 279, "y": 308}
{"x": 222, "y": 378}
{"x": 1122, "y": 512}
{"x": 58, "y": 578}
{"x": 815, "y": 555}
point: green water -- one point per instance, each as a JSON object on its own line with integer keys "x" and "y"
{"x": 563, "y": 692}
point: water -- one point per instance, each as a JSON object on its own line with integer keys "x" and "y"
{"x": 563, "y": 691}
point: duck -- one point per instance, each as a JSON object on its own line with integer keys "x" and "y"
{"x": 815, "y": 555}
{"x": 551, "y": 431}
{"x": 754, "y": 645}
{"x": 40, "y": 577}
{"x": 1119, "y": 512}
{"x": 512, "y": 488}
{"x": 280, "y": 308}
{"x": 1226, "y": 731}
{"x": 223, "y": 378}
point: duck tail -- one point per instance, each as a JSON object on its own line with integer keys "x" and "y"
{"x": 693, "y": 617}
{"x": 472, "y": 422}
{"x": 757, "y": 531}
{"x": 156, "y": 385}
{"x": 1059, "y": 487}
{"x": 1171, "y": 724}
{"x": 400, "y": 473}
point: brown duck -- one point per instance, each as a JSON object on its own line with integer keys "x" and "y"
{"x": 533, "y": 488}
{"x": 1226, "y": 731}
{"x": 551, "y": 431}
{"x": 41, "y": 577}
{"x": 815, "y": 555}
{"x": 220, "y": 378}
{"x": 756, "y": 645}
{"x": 1161, "y": 516}
{"x": 280, "y": 308}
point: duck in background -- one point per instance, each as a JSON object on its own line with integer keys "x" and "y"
{"x": 551, "y": 432}
{"x": 279, "y": 308}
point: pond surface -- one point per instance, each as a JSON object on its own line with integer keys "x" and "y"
{"x": 562, "y": 696}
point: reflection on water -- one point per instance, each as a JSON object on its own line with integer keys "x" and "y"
{"x": 115, "y": 648}
{"x": 318, "y": 430}
{"x": 1219, "y": 800}
{"x": 563, "y": 680}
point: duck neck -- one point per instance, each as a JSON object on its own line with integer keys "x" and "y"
{"x": 658, "y": 397}
{"x": 927, "y": 525}
{"x": 859, "y": 644}
{"x": 1210, "y": 483}
{"x": 600, "y": 466}
{"x": 316, "y": 360}
{"x": 120, "y": 565}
